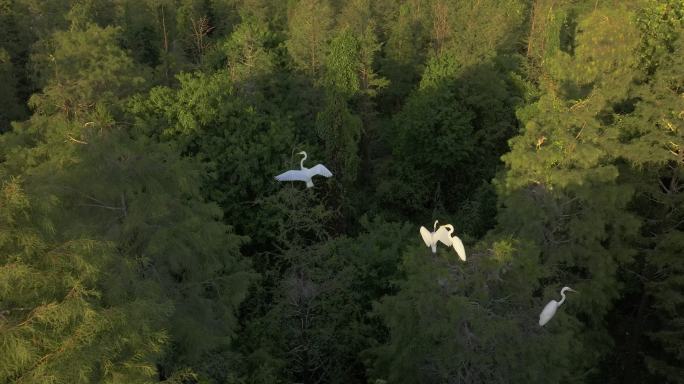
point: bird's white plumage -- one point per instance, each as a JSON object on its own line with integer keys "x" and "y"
{"x": 320, "y": 169}
{"x": 458, "y": 246}
{"x": 426, "y": 235}
{"x": 552, "y": 306}
{"x": 443, "y": 235}
{"x": 429, "y": 237}
{"x": 293, "y": 176}
{"x": 548, "y": 312}
{"x": 452, "y": 241}
{"x": 305, "y": 174}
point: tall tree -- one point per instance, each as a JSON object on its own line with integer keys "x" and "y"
{"x": 648, "y": 317}
{"x": 208, "y": 118}
{"x": 565, "y": 188}
{"x": 115, "y": 185}
{"x": 85, "y": 70}
{"x": 406, "y": 45}
{"x": 358, "y": 17}
{"x": 309, "y": 26}
{"x": 470, "y": 323}
{"x": 63, "y": 317}
{"x": 8, "y": 96}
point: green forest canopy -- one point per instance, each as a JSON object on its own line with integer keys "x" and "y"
{"x": 143, "y": 238}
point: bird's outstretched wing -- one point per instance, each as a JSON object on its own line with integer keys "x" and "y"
{"x": 458, "y": 246}
{"x": 426, "y": 235}
{"x": 443, "y": 235}
{"x": 320, "y": 169}
{"x": 292, "y": 176}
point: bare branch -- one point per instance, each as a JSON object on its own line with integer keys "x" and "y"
{"x": 76, "y": 140}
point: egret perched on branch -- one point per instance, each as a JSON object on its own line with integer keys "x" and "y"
{"x": 304, "y": 174}
{"x": 431, "y": 238}
{"x": 454, "y": 241}
{"x": 443, "y": 234}
{"x": 552, "y": 306}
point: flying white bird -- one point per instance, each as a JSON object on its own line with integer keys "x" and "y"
{"x": 552, "y": 306}
{"x": 304, "y": 174}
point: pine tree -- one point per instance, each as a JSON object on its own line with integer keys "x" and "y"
{"x": 563, "y": 189}
{"x": 85, "y": 70}
{"x": 144, "y": 238}
{"x": 359, "y": 19}
{"x": 242, "y": 142}
{"x": 650, "y": 134}
{"x": 15, "y": 42}
{"x": 8, "y": 96}
{"x": 309, "y": 26}
{"x": 406, "y": 48}
{"x": 248, "y": 54}
{"x": 116, "y": 185}
{"x": 320, "y": 321}
{"x": 470, "y": 322}
{"x": 59, "y": 322}
{"x": 338, "y": 128}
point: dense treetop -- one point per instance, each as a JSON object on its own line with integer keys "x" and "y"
{"x": 143, "y": 238}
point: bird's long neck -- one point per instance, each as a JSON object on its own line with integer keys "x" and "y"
{"x": 301, "y": 163}
{"x": 562, "y": 298}
{"x": 434, "y": 226}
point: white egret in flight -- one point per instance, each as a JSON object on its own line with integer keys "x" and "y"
{"x": 552, "y": 306}
{"x": 304, "y": 174}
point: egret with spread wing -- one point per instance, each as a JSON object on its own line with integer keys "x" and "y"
{"x": 431, "y": 238}
{"x": 454, "y": 241}
{"x": 304, "y": 174}
{"x": 552, "y": 306}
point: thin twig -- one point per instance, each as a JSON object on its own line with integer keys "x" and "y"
{"x": 76, "y": 140}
